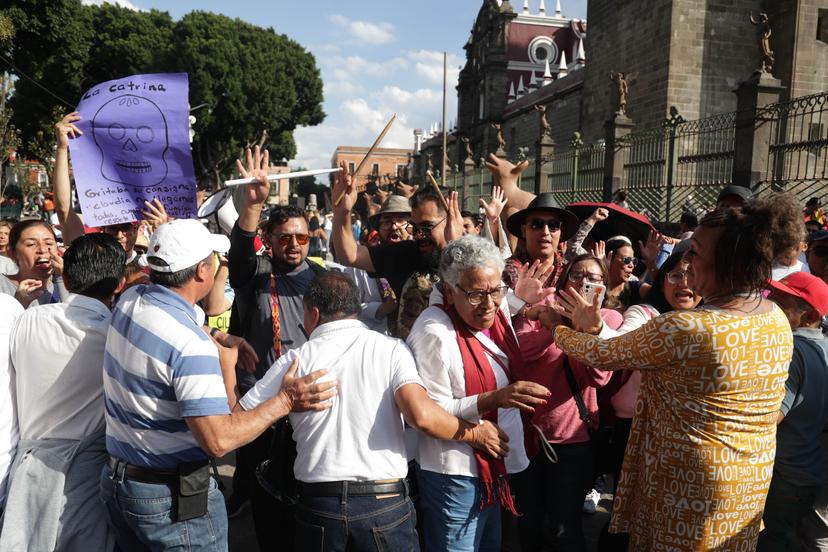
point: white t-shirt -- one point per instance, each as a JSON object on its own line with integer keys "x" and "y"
{"x": 360, "y": 438}
{"x": 57, "y": 356}
{"x": 780, "y": 271}
{"x": 10, "y": 309}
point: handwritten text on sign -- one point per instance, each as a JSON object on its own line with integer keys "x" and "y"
{"x": 135, "y": 147}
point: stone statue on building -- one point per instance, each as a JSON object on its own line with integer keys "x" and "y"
{"x": 546, "y": 130}
{"x": 467, "y": 144}
{"x": 501, "y": 142}
{"x": 767, "y": 53}
{"x": 622, "y": 87}
{"x": 429, "y": 162}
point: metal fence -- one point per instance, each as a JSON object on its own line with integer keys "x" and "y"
{"x": 682, "y": 165}
{"x": 798, "y": 151}
{"x": 576, "y": 174}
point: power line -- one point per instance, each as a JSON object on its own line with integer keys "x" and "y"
{"x": 21, "y": 73}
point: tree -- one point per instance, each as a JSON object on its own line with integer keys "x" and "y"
{"x": 50, "y": 46}
{"x": 259, "y": 85}
{"x": 255, "y": 82}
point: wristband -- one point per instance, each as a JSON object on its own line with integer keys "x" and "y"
{"x": 213, "y": 332}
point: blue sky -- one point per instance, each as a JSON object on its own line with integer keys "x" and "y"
{"x": 377, "y": 57}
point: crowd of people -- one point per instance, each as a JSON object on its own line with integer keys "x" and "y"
{"x": 430, "y": 378}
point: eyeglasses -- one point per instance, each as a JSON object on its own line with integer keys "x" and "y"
{"x": 539, "y": 224}
{"x": 629, "y": 261}
{"x": 677, "y": 277}
{"x": 425, "y": 228}
{"x": 476, "y": 297}
{"x": 820, "y": 251}
{"x": 301, "y": 239}
{"x": 593, "y": 277}
{"x": 395, "y": 224}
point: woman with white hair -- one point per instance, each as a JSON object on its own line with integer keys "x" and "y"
{"x": 466, "y": 351}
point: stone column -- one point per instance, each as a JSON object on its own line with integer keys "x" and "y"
{"x": 753, "y": 132}
{"x": 616, "y": 129}
{"x": 544, "y": 148}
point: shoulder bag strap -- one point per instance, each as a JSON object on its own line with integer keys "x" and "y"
{"x": 583, "y": 413}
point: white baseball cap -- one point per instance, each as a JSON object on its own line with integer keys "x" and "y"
{"x": 183, "y": 243}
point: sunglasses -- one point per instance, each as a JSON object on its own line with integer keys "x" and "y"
{"x": 125, "y": 227}
{"x": 629, "y": 261}
{"x": 301, "y": 239}
{"x": 539, "y": 224}
{"x": 820, "y": 251}
{"x": 426, "y": 228}
{"x": 578, "y": 277}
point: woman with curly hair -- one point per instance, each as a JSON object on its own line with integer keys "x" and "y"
{"x": 700, "y": 456}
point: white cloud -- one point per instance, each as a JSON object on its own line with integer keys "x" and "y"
{"x": 365, "y": 32}
{"x": 357, "y": 121}
{"x": 122, "y": 3}
{"x": 429, "y": 64}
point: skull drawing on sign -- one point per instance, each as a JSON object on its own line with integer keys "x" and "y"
{"x": 131, "y": 134}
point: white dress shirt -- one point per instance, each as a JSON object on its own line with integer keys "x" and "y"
{"x": 360, "y": 438}
{"x": 10, "y": 309}
{"x": 434, "y": 343}
{"x": 57, "y": 354}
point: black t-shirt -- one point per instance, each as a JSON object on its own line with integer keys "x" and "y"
{"x": 396, "y": 262}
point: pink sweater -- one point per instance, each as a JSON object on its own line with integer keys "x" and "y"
{"x": 543, "y": 364}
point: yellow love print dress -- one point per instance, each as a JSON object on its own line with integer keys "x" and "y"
{"x": 700, "y": 456}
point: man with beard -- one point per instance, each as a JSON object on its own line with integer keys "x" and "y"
{"x": 267, "y": 312}
{"x": 409, "y": 266}
{"x": 379, "y": 303}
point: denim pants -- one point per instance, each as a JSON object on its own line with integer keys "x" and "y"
{"x": 786, "y": 506}
{"x": 143, "y": 518}
{"x": 550, "y": 498}
{"x": 452, "y": 518}
{"x": 363, "y": 522}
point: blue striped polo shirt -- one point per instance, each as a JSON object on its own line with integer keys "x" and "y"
{"x": 159, "y": 368}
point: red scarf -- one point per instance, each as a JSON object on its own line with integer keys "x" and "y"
{"x": 480, "y": 378}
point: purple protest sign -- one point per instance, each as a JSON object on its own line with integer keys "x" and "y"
{"x": 135, "y": 147}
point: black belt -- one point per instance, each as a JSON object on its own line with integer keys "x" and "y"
{"x": 354, "y": 488}
{"x": 120, "y": 468}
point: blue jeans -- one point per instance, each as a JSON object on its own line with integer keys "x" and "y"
{"x": 452, "y": 518}
{"x": 334, "y": 524}
{"x": 143, "y": 518}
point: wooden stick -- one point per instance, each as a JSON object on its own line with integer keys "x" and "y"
{"x": 437, "y": 190}
{"x": 282, "y": 176}
{"x": 375, "y": 145}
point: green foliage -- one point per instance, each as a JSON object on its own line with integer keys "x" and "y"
{"x": 259, "y": 85}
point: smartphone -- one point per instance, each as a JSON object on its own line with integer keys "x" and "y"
{"x": 590, "y": 290}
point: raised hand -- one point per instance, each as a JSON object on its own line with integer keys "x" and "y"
{"x": 65, "y": 129}
{"x": 495, "y": 206}
{"x": 598, "y": 215}
{"x": 649, "y": 251}
{"x": 599, "y": 250}
{"x": 405, "y": 190}
{"x": 504, "y": 172}
{"x": 529, "y": 287}
{"x": 585, "y": 316}
{"x": 256, "y": 167}
{"x": 343, "y": 183}
{"x": 454, "y": 219}
{"x": 155, "y": 215}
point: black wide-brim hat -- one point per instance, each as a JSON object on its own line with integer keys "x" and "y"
{"x": 544, "y": 203}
